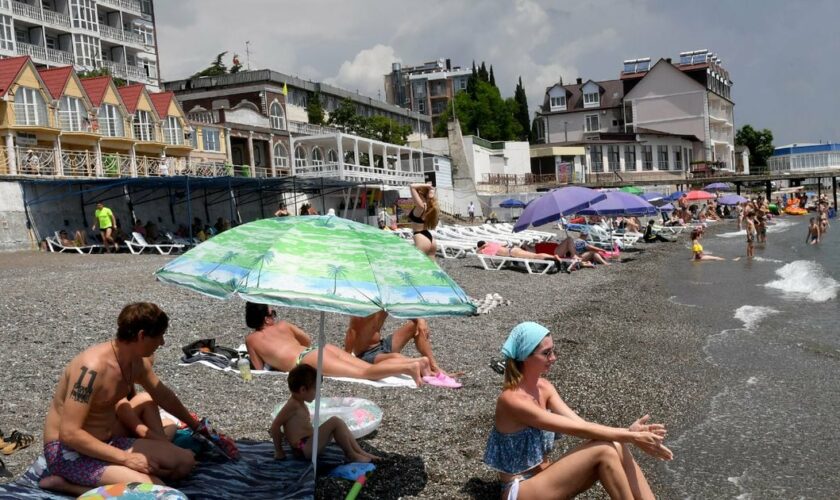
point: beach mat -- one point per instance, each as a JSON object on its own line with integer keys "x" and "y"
{"x": 256, "y": 475}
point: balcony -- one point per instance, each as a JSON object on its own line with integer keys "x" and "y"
{"x": 32, "y": 12}
{"x": 359, "y": 173}
{"x": 309, "y": 129}
{"x": 43, "y": 55}
{"x": 126, "y": 72}
{"x": 57, "y": 19}
{"x": 130, "y": 6}
{"x": 120, "y": 36}
{"x": 5, "y": 5}
{"x": 204, "y": 117}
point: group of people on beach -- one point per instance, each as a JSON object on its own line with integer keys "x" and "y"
{"x": 99, "y": 430}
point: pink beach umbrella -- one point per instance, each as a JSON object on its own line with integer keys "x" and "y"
{"x": 698, "y": 195}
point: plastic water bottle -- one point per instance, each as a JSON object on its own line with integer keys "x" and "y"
{"x": 244, "y": 369}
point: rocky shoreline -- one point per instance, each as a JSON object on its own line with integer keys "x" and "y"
{"x": 624, "y": 351}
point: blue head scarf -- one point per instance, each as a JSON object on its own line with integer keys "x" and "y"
{"x": 523, "y": 339}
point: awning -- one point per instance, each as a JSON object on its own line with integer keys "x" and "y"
{"x": 538, "y": 152}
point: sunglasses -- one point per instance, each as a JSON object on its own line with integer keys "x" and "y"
{"x": 547, "y": 353}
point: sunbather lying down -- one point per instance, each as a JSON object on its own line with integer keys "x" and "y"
{"x": 278, "y": 344}
{"x": 580, "y": 249}
{"x": 497, "y": 249}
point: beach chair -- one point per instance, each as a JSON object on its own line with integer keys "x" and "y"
{"x": 138, "y": 244}
{"x": 449, "y": 249}
{"x": 533, "y": 266}
{"x": 54, "y": 244}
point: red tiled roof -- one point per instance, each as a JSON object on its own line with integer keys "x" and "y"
{"x": 96, "y": 87}
{"x": 56, "y": 79}
{"x": 161, "y": 101}
{"x": 131, "y": 96}
{"x": 9, "y": 70}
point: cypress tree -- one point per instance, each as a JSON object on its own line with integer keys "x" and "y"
{"x": 522, "y": 115}
{"x": 482, "y": 73}
{"x": 493, "y": 78}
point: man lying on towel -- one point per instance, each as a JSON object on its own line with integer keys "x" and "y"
{"x": 282, "y": 346}
{"x": 364, "y": 340}
{"x": 80, "y": 445}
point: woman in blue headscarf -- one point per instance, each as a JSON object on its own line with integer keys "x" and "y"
{"x": 528, "y": 414}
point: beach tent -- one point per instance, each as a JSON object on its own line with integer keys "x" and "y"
{"x": 323, "y": 263}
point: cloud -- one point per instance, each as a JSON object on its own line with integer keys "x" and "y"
{"x": 366, "y": 71}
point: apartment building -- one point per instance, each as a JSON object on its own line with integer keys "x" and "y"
{"x": 653, "y": 122}
{"x": 117, "y": 35}
{"x": 263, "y": 111}
{"x": 427, "y": 88}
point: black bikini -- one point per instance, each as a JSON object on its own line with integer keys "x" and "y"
{"x": 417, "y": 220}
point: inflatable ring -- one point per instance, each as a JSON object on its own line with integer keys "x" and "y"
{"x": 134, "y": 491}
{"x": 362, "y": 416}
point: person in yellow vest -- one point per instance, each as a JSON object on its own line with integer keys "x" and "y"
{"x": 107, "y": 224}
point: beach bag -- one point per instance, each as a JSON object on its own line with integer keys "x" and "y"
{"x": 208, "y": 346}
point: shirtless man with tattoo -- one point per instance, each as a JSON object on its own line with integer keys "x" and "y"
{"x": 79, "y": 442}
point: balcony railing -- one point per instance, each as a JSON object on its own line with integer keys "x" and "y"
{"x": 360, "y": 173}
{"x": 56, "y": 18}
{"x": 519, "y": 179}
{"x": 497, "y": 145}
{"x": 120, "y": 35}
{"x": 132, "y": 6}
{"x": 309, "y": 129}
{"x": 204, "y": 116}
{"x": 44, "y": 55}
{"x": 26, "y": 10}
{"x": 127, "y": 72}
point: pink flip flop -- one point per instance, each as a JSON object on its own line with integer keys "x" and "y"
{"x": 442, "y": 380}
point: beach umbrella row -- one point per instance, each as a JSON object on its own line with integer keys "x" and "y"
{"x": 620, "y": 203}
{"x": 555, "y": 204}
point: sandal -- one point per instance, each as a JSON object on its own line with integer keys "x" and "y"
{"x": 17, "y": 441}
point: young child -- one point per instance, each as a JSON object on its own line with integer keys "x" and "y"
{"x": 294, "y": 421}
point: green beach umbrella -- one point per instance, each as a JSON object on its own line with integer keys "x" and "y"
{"x": 632, "y": 190}
{"x": 323, "y": 263}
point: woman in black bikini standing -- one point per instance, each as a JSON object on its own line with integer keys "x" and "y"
{"x": 426, "y": 204}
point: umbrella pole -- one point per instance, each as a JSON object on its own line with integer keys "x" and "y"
{"x": 316, "y": 420}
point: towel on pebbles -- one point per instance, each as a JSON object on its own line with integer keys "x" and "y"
{"x": 489, "y": 302}
{"x": 393, "y": 381}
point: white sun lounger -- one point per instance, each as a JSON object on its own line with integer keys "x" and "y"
{"x": 138, "y": 244}
{"x": 55, "y": 245}
{"x": 533, "y": 266}
{"x": 449, "y": 249}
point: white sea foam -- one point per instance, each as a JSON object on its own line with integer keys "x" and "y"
{"x": 767, "y": 259}
{"x": 673, "y": 299}
{"x": 752, "y": 315}
{"x": 777, "y": 227}
{"x": 733, "y": 234}
{"x": 752, "y": 381}
{"x": 805, "y": 279}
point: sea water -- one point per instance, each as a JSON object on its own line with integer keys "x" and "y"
{"x": 773, "y": 322}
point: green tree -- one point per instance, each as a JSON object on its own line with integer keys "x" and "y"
{"x": 376, "y": 127}
{"x": 522, "y": 115}
{"x": 534, "y": 138}
{"x": 482, "y": 73}
{"x": 486, "y": 115}
{"x": 759, "y": 142}
{"x": 314, "y": 109}
{"x": 492, "y": 78}
{"x": 119, "y": 82}
{"x": 216, "y": 68}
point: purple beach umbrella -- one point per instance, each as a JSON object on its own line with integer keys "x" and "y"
{"x": 667, "y": 208}
{"x": 555, "y": 204}
{"x": 650, "y": 197}
{"x": 620, "y": 203}
{"x": 731, "y": 199}
{"x": 717, "y": 186}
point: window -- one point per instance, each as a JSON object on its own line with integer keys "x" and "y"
{"x": 317, "y": 156}
{"x": 87, "y": 50}
{"x": 628, "y": 115}
{"x": 7, "y": 36}
{"x": 596, "y": 158}
{"x": 419, "y": 89}
{"x": 72, "y": 114}
{"x": 662, "y": 157}
{"x": 421, "y": 106}
{"x": 149, "y": 67}
{"x": 630, "y": 157}
{"x": 558, "y": 103}
{"x": 83, "y": 13}
{"x": 591, "y": 100}
{"x": 111, "y": 121}
{"x": 30, "y": 108}
{"x": 278, "y": 121}
{"x": 52, "y": 42}
{"x": 173, "y": 133}
{"x": 647, "y": 157}
{"x": 613, "y": 156}
{"x": 21, "y": 36}
{"x": 690, "y": 156}
{"x": 300, "y": 157}
{"x": 146, "y": 32}
{"x": 332, "y": 156}
{"x": 210, "y": 137}
{"x": 143, "y": 129}
{"x": 462, "y": 84}
{"x": 281, "y": 158}
{"x": 678, "y": 158}
{"x": 438, "y": 106}
{"x": 592, "y": 123}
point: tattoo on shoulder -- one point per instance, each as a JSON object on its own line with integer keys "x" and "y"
{"x": 82, "y": 393}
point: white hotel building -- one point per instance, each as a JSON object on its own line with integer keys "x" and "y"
{"x": 118, "y": 35}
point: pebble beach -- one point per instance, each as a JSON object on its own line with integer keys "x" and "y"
{"x": 623, "y": 351}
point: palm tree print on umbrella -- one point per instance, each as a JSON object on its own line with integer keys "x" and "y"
{"x": 408, "y": 279}
{"x": 336, "y": 272}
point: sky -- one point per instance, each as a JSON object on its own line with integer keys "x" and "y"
{"x": 782, "y": 55}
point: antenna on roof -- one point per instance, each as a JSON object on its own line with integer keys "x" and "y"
{"x": 248, "y": 54}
